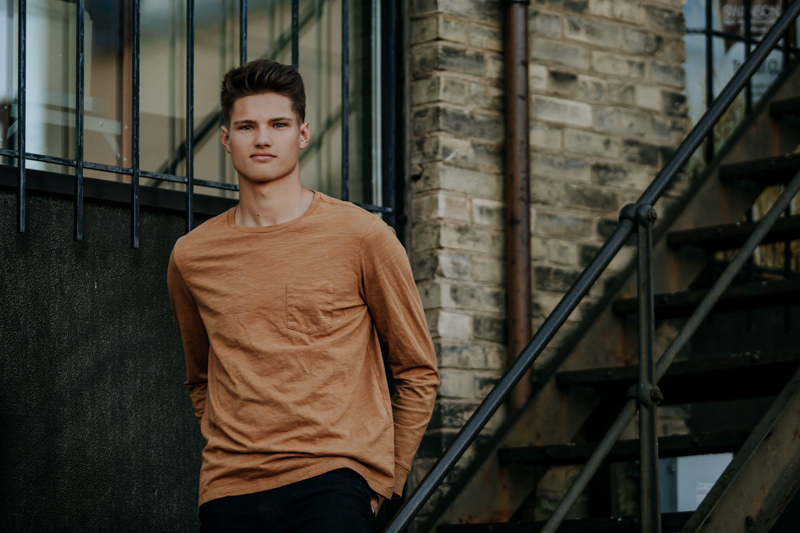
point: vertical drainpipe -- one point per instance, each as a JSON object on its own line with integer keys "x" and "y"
{"x": 516, "y": 185}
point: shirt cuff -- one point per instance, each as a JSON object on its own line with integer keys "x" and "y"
{"x": 400, "y": 475}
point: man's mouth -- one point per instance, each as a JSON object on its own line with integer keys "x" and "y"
{"x": 262, "y": 157}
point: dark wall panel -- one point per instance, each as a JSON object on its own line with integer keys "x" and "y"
{"x": 97, "y": 431}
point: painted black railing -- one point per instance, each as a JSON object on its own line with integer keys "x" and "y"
{"x": 388, "y": 172}
{"x": 644, "y": 396}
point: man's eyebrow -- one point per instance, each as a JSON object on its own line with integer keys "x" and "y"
{"x": 251, "y": 121}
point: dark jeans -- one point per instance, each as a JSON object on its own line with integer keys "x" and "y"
{"x": 335, "y": 501}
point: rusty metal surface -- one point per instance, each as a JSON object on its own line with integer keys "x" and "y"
{"x": 720, "y": 378}
{"x": 576, "y": 453}
{"x": 496, "y": 491}
{"x": 517, "y": 191}
{"x": 730, "y": 236}
{"x": 755, "y": 294}
{"x": 763, "y": 476}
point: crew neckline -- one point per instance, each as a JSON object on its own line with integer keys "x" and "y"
{"x": 231, "y": 221}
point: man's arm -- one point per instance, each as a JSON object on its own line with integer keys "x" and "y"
{"x": 393, "y": 300}
{"x": 193, "y": 334}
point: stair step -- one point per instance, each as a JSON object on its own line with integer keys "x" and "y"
{"x": 732, "y": 236}
{"x": 742, "y": 375}
{"x": 670, "y": 523}
{"x": 625, "y": 450}
{"x": 761, "y": 294}
{"x": 765, "y": 171}
{"x": 788, "y": 106}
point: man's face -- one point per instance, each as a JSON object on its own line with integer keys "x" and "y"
{"x": 264, "y": 138}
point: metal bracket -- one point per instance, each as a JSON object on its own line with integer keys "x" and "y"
{"x": 647, "y": 395}
{"x": 638, "y": 213}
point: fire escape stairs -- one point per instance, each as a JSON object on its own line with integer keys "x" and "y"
{"x": 762, "y": 480}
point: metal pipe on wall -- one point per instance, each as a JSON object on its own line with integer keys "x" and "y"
{"x": 517, "y": 190}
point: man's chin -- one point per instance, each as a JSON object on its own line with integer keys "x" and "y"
{"x": 260, "y": 177}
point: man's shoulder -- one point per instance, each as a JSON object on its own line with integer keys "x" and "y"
{"x": 351, "y": 216}
{"x": 200, "y": 234}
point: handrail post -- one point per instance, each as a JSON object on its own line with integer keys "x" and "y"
{"x": 646, "y": 392}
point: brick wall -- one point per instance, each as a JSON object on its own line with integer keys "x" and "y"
{"x": 457, "y": 237}
{"x": 606, "y": 110}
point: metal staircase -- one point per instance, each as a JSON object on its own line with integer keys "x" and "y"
{"x": 746, "y": 351}
{"x": 699, "y": 377}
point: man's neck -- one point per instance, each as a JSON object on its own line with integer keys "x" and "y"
{"x": 272, "y": 203}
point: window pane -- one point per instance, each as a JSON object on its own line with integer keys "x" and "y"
{"x": 163, "y": 60}
{"x": 50, "y": 79}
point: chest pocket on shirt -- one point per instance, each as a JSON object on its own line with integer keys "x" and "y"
{"x": 309, "y": 307}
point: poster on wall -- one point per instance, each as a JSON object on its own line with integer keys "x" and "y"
{"x": 728, "y": 54}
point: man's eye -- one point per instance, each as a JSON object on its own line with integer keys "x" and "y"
{"x": 245, "y": 126}
{"x": 280, "y": 124}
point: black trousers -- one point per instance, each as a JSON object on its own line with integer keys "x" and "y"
{"x": 335, "y": 501}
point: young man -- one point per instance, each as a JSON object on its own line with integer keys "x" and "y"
{"x": 280, "y": 302}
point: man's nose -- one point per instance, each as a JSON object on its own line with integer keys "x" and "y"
{"x": 263, "y": 138}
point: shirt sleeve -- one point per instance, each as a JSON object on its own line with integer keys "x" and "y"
{"x": 394, "y": 303}
{"x": 193, "y": 336}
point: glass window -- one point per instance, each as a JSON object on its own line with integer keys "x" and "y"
{"x": 50, "y": 105}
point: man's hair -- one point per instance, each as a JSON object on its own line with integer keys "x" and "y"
{"x": 261, "y": 76}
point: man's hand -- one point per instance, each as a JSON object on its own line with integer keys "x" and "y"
{"x": 376, "y": 500}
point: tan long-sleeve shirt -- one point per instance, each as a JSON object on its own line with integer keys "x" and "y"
{"x": 280, "y": 329}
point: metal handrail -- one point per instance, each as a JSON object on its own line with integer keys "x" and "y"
{"x": 680, "y": 340}
{"x": 586, "y": 279}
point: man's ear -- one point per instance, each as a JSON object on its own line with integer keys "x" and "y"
{"x": 305, "y": 135}
{"x": 225, "y": 139}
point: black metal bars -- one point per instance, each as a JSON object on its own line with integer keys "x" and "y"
{"x": 79, "y": 120}
{"x": 391, "y": 119}
{"x": 506, "y": 384}
{"x": 345, "y": 100}
{"x": 643, "y": 396}
{"x": 709, "y": 154}
{"x": 296, "y": 34}
{"x": 193, "y": 137}
{"x": 135, "y": 127}
{"x": 748, "y": 41}
{"x": 713, "y": 113}
{"x": 786, "y": 55}
{"x": 189, "y": 115}
{"x": 680, "y": 340}
{"x": 214, "y": 119}
{"x": 646, "y": 393}
{"x": 727, "y": 276}
{"x": 575, "y": 294}
{"x": 242, "y": 32}
{"x": 592, "y": 465}
{"x": 21, "y": 115}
